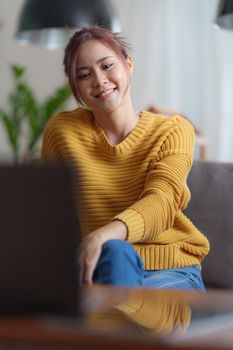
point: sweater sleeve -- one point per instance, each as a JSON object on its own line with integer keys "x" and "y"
{"x": 50, "y": 142}
{"x": 165, "y": 191}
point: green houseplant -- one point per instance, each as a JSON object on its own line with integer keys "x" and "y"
{"x": 24, "y": 110}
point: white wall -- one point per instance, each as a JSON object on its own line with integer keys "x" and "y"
{"x": 181, "y": 61}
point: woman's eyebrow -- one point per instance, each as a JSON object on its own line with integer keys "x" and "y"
{"x": 98, "y": 61}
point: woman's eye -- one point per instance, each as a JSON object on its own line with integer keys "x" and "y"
{"x": 83, "y": 76}
{"x": 107, "y": 66}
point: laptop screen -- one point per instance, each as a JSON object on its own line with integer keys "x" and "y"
{"x": 38, "y": 239}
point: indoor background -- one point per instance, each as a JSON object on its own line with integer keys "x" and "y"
{"x": 182, "y": 62}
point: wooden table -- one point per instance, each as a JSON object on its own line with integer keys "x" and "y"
{"x": 118, "y": 318}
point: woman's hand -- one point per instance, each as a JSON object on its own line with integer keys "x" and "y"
{"x": 89, "y": 253}
{"x": 91, "y": 246}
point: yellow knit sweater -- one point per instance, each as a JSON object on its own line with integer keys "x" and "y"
{"x": 141, "y": 181}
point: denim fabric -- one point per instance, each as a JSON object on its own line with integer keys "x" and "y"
{"x": 120, "y": 265}
{"x": 188, "y": 277}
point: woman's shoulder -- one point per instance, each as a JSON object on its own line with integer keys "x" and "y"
{"x": 77, "y": 115}
{"x": 164, "y": 122}
{"x": 72, "y": 118}
{"x": 163, "y": 118}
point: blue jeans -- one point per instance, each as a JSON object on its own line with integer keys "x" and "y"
{"x": 120, "y": 265}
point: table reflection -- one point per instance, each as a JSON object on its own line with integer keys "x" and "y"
{"x": 159, "y": 313}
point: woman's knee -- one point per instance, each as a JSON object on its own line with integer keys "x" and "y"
{"x": 119, "y": 264}
{"x": 117, "y": 247}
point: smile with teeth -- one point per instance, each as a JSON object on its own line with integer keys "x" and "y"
{"x": 106, "y": 93}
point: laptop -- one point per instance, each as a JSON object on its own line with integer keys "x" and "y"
{"x": 38, "y": 240}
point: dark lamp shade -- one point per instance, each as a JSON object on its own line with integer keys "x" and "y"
{"x": 225, "y": 14}
{"x": 51, "y": 22}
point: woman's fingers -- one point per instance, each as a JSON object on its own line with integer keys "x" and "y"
{"x": 89, "y": 254}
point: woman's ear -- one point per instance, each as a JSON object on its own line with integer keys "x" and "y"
{"x": 129, "y": 63}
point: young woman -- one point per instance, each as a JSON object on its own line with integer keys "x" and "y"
{"x": 132, "y": 169}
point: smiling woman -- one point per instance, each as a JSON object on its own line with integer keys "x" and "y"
{"x": 132, "y": 173}
{"x": 102, "y": 78}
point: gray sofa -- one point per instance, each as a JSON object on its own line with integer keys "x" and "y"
{"x": 210, "y": 209}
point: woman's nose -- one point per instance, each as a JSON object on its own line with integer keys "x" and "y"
{"x": 99, "y": 79}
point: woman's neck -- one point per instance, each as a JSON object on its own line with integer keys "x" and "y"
{"x": 117, "y": 124}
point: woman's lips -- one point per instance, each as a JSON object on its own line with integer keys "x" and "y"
{"x": 105, "y": 94}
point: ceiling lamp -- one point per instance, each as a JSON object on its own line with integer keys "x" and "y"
{"x": 225, "y": 14}
{"x": 51, "y": 22}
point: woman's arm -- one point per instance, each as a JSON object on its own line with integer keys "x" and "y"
{"x": 91, "y": 247}
{"x": 165, "y": 190}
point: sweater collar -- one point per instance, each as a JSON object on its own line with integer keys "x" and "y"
{"x": 129, "y": 142}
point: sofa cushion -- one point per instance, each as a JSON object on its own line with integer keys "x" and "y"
{"x": 210, "y": 209}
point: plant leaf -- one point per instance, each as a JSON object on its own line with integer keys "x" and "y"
{"x": 23, "y": 106}
{"x": 50, "y": 106}
{"x": 10, "y": 129}
{"x": 17, "y": 71}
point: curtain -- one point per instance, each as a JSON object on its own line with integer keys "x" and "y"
{"x": 184, "y": 62}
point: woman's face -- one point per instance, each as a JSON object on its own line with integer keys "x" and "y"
{"x": 102, "y": 77}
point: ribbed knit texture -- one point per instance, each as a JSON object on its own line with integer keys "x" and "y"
{"x": 162, "y": 314}
{"x": 159, "y": 314}
{"x": 141, "y": 181}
